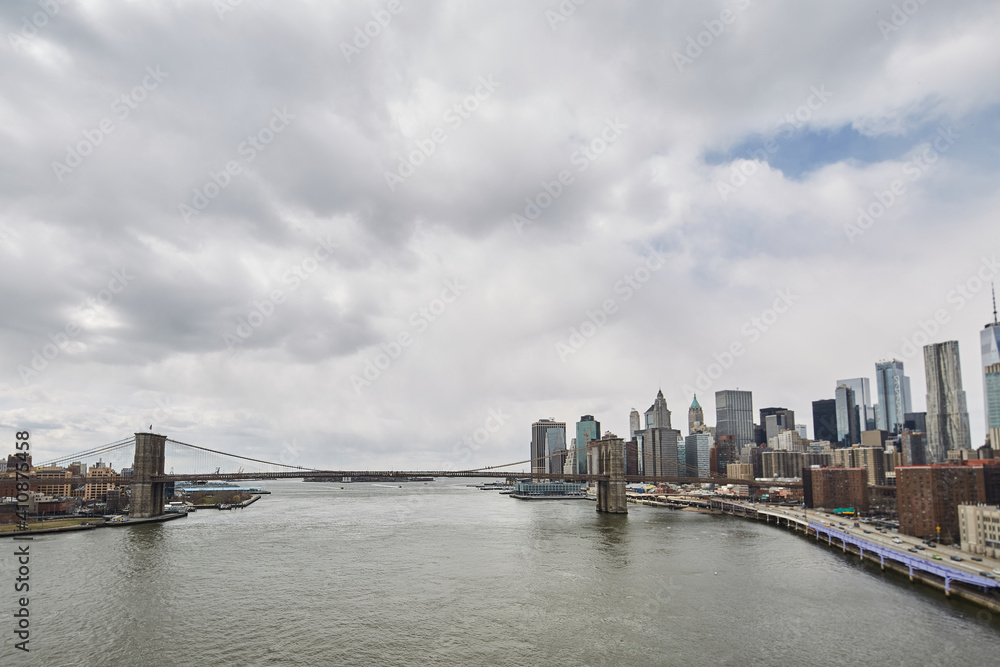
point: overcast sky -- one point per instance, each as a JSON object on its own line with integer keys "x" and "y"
{"x": 215, "y": 217}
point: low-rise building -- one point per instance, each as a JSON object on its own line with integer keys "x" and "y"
{"x": 831, "y": 488}
{"x": 979, "y": 527}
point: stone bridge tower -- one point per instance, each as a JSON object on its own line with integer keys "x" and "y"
{"x": 611, "y": 462}
{"x": 148, "y": 497}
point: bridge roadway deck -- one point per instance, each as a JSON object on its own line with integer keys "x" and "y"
{"x": 882, "y": 547}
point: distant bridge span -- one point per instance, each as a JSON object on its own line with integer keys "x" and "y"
{"x": 148, "y": 479}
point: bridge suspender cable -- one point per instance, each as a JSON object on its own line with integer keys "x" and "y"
{"x": 121, "y": 444}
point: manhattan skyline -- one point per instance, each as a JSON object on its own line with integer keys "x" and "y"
{"x": 373, "y": 250}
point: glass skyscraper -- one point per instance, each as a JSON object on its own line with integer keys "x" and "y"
{"x": 848, "y": 427}
{"x": 862, "y": 401}
{"x": 893, "y": 396}
{"x": 989, "y": 339}
{"x": 734, "y": 416}
{"x": 587, "y": 429}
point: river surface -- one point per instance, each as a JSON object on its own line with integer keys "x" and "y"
{"x": 444, "y": 574}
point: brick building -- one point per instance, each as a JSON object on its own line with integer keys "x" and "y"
{"x": 831, "y": 488}
{"x": 928, "y": 498}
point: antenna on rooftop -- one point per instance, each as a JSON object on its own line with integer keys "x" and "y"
{"x": 993, "y": 289}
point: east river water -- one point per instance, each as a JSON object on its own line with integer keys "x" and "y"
{"x": 443, "y": 574}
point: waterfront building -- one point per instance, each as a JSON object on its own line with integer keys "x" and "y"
{"x": 947, "y": 413}
{"x": 825, "y": 420}
{"x": 740, "y": 471}
{"x": 893, "y": 393}
{"x": 862, "y": 401}
{"x": 991, "y": 387}
{"x": 108, "y": 479}
{"x": 539, "y": 443}
{"x": 928, "y": 497}
{"x": 734, "y": 416}
{"x": 979, "y": 528}
{"x": 526, "y": 489}
{"x": 54, "y": 481}
{"x": 696, "y": 416}
{"x": 832, "y": 488}
{"x": 659, "y": 441}
{"x": 697, "y": 449}
{"x": 848, "y": 429}
{"x": 587, "y": 429}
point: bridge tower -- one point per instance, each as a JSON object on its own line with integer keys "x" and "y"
{"x": 148, "y": 497}
{"x": 611, "y": 462}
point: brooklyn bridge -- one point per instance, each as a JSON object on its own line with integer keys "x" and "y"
{"x": 143, "y": 461}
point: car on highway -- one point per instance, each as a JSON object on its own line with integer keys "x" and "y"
{"x": 935, "y": 557}
{"x": 956, "y": 558}
{"x": 913, "y": 550}
{"x": 977, "y": 559}
{"x": 996, "y": 570}
{"x": 896, "y": 540}
{"x": 920, "y": 547}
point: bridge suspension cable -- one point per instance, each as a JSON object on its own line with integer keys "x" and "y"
{"x": 103, "y": 449}
{"x": 244, "y": 458}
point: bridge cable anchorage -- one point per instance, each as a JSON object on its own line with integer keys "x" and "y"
{"x": 120, "y": 444}
{"x": 245, "y": 458}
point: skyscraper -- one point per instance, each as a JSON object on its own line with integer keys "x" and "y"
{"x": 893, "y": 396}
{"x": 634, "y": 423}
{"x": 659, "y": 440}
{"x": 776, "y": 420}
{"x": 696, "y": 461}
{"x": 989, "y": 339}
{"x": 539, "y": 443}
{"x": 862, "y": 401}
{"x": 991, "y": 382}
{"x": 587, "y": 429}
{"x": 734, "y": 416}
{"x": 825, "y": 420}
{"x": 947, "y": 412}
{"x": 848, "y": 428}
{"x": 696, "y": 416}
